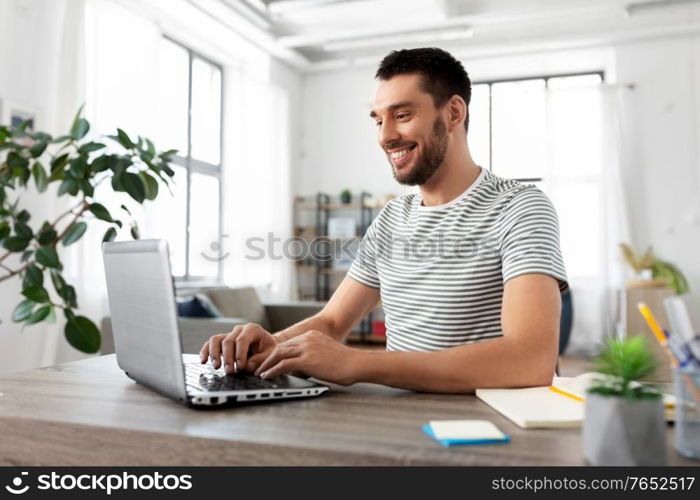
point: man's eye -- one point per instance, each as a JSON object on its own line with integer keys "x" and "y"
{"x": 401, "y": 116}
{"x": 377, "y": 123}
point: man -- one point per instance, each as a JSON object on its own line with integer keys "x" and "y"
{"x": 479, "y": 309}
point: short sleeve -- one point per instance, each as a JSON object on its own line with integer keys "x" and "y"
{"x": 529, "y": 236}
{"x": 364, "y": 266}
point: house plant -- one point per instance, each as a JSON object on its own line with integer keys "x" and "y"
{"x": 76, "y": 165}
{"x": 624, "y": 420}
{"x": 345, "y": 196}
{"x": 651, "y": 271}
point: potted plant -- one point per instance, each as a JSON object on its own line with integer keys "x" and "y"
{"x": 345, "y": 196}
{"x": 76, "y": 165}
{"x": 624, "y": 420}
{"x": 650, "y": 271}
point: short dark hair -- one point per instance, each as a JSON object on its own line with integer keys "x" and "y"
{"x": 443, "y": 75}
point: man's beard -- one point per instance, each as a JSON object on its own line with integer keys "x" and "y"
{"x": 427, "y": 164}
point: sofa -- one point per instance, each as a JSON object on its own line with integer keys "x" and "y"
{"x": 233, "y": 306}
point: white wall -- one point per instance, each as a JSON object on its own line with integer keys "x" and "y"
{"x": 661, "y": 115}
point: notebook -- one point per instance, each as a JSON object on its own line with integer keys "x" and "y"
{"x": 557, "y": 406}
{"x": 459, "y": 432}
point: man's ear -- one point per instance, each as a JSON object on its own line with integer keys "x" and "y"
{"x": 457, "y": 113}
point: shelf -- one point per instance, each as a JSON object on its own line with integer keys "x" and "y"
{"x": 312, "y": 269}
{"x": 355, "y": 338}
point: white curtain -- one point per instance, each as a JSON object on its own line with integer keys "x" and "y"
{"x": 585, "y": 181}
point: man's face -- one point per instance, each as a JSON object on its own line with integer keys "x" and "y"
{"x": 411, "y": 130}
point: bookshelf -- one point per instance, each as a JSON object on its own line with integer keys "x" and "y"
{"x": 332, "y": 232}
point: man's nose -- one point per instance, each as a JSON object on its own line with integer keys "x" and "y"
{"x": 387, "y": 134}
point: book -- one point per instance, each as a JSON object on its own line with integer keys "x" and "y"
{"x": 461, "y": 432}
{"x": 559, "y": 405}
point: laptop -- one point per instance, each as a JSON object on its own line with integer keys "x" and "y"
{"x": 147, "y": 339}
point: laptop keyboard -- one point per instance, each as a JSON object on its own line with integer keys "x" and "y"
{"x": 204, "y": 377}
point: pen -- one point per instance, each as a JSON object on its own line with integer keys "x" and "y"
{"x": 659, "y": 334}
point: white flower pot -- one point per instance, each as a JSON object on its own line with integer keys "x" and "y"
{"x": 620, "y": 431}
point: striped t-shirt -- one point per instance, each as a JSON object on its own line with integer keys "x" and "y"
{"x": 441, "y": 269}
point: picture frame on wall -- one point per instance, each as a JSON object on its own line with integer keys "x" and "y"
{"x": 14, "y": 115}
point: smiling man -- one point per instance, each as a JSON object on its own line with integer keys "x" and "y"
{"x": 469, "y": 270}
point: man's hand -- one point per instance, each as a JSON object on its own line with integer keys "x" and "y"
{"x": 312, "y": 354}
{"x": 236, "y": 346}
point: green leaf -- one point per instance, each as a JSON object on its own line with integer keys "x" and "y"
{"x": 15, "y": 160}
{"x": 23, "y": 216}
{"x": 62, "y": 138}
{"x": 15, "y": 243}
{"x": 58, "y": 282}
{"x": 123, "y": 207}
{"x": 110, "y": 234}
{"x": 59, "y": 162}
{"x": 82, "y": 334}
{"x": 169, "y": 171}
{"x": 23, "y": 231}
{"x": 26, "y": 255}
{"x": 22, "y": 311}
{"x": 47, "y": 237}
{"x": 51, "y": 318}
{"x": 32, "y": 276}
{"x": 90, "y": 147}
{"x": 87, "y": 188}
{"x": 150, "y": 184}
{"x": 4, "y": 229}
{"x": 68, "y": 186}
{"x": 117, "y": 182}
{"x": 36, "y": 293}
{"x": 68, "y": 314}
{"x": 135, "y": 231}
{"x": 167, "y": 154}
{"x": 75, "y": 232}
{"x": 39, "y": 315}
{"x": 67, "y": 293}
{"x": 38, "y": 149}
{"x": 47, "y": 256}
{"x": 99, "y": 211}
{"x": 78, "y": 167}
{"x": 124, "y": 139}
{"x": 134, "y": 186}
{"x": 100, "y": 164}
{"x": 40, "y": 177}
{"x": 79, "y": 129}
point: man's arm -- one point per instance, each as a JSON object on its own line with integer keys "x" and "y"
{"x": 525, "y": 356}
{"x": 351, "y": 302}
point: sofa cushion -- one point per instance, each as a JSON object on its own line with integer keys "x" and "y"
{"x": 197, "y": 306}
{"x": 239, "y": 303}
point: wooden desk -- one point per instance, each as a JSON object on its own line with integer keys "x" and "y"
{"x": 89, "y": 413}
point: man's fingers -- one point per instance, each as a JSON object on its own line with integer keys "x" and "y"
{"x": 250, "y": 334}
{"x": 256, "y": 360}
{"x": 282, "y": 351}
{"x": 228, "y": 348}
{"x": 215, "y": 349}
{"x": 283, "y": 366}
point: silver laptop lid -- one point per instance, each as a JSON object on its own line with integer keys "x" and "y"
{"x": 144, "y": 317}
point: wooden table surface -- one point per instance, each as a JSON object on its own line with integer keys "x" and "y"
{"x": 89, "y": 413}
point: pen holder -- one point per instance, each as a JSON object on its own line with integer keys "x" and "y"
{"x": 686, "y": 383}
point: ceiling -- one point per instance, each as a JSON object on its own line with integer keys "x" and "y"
{"x": 312, "y": 34}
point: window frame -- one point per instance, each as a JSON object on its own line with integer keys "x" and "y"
{"x": 546, "y": 78}
{"x": 192, "y": 165}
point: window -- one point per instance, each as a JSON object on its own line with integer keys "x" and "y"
{"x": 189, "y": 120}
{"x": 546, "y": 131}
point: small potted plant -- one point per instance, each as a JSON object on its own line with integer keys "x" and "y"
{"x": 345, "y": 196}
{"x": 650, "y": 271}
{"x": 624, "y": 420}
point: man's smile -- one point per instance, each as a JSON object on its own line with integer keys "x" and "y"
{"x": 400, "y": 157}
